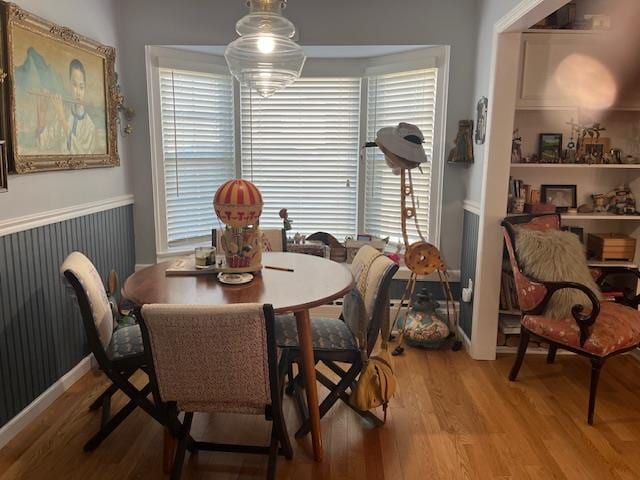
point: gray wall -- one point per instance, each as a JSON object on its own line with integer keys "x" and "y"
{"x": 40, "y": 192}
{"x": 327, "y": 22}
{"x": 41, "y": 334}
{"x": 489, "y": 12}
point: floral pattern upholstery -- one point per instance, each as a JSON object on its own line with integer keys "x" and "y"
{"x": 328, "y": 334}
{"x": 126, "y": 342}
{"x": 210, "y": 358}
{"x": 617, "y": 327}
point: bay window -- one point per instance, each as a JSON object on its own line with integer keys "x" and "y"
{"x": 301, "y": 147}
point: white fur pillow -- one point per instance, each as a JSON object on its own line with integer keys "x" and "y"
{"x": 556, "y": 256}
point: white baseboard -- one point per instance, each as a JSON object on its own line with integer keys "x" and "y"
{"x": 140, "y": 266}
{"x": 40, "y": 404}
{"x": 466, "y": 341}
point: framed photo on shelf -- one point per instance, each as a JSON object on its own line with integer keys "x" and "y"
{"x": 550, "y": 147}
{"x": 596, "y": 147}
{"x": 563, "y": 197}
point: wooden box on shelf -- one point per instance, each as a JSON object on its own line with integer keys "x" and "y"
{"x": 611, "y": 246}
{"x": 539, "y": 208}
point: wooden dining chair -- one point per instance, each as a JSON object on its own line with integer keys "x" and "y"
{"x": 118, "y": 352}
{"x": 605, "y": 330}
{"x": 215, "y": 359}
{"x": 336, "y": 340}
{"x": 273, "y": 239}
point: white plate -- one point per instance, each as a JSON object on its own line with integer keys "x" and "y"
{"x": 235, "y": 278}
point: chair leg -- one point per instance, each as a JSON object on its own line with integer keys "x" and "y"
{"x": 273, "y": 454}
{"x": 106, "y": 410}
{"x": 334, "y": 395}
{"x": 110, "y": 426}
{"x": 113, "y": 423}
{"x": 298, "y": 396}
{"x": 291, "y": 384}
{"x": 98, "y": 402}
{"x": 596, "y": 366}
{"x": 522, "y": 349}
{"x": 181, "y": 449}
{"x": 551, "y": 354}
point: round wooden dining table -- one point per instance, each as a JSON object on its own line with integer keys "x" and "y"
{"x": 296, "y": 284}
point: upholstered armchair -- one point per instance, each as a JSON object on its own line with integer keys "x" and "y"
{"x": 598, "y": 333}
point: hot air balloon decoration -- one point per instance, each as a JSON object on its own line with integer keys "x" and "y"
{"x": 238, "y": 204}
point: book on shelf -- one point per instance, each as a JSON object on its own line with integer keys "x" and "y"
{"x": 508, "y": 292}
{"x": 509, "y": 325}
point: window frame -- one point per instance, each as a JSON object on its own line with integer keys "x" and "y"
{"x": 157, "y": 58}
{"x": 426, "y": 57}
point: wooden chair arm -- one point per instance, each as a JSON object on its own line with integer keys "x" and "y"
{"x": 584, "y": 320}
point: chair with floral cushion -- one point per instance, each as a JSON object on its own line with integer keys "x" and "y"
{"x": 119, "y": 352}
{"x": 598, "y": 333}
{"x": 220, "y": 359}
{"x": 348, "y": 339}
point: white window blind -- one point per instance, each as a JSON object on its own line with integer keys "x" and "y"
{"x": 393, "y": 98}
{"x": 198, "y": 149}
{"x": 300, "y": 147}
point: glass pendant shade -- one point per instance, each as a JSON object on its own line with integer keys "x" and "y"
{"x": 264, "y": 58}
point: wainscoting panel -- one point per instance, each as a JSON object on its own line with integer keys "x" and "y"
{"x": 468, "y": 265}
{"x": 41, "y": 334}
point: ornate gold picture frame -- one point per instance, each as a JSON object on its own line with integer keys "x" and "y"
{"x": 62, "y": 96}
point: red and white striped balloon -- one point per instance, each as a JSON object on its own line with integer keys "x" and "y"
{"x": 238, "y": 203}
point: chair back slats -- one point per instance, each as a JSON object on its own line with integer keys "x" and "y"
{"x": 88, "y": 285}
{"x": 530, "y": 293}
{"x": 212, "y": 358}
{"x": 274, "y": 240}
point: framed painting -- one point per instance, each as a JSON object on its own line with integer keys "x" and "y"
{"x": 3, "y": 166}
{"x": 62, "y": 96}
{"x": 563, "y": 197}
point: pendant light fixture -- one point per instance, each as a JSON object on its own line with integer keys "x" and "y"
{"x": 264, "y": 57}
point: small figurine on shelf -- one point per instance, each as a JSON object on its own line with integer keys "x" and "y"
{"x": 599, "y": 202}
{"x": 298, "y": 238}
{"x": 286, "y": 221}
{"x": 516, "y": 147}
{"x": 621, "y": 201}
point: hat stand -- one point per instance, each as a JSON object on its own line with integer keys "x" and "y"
{"x": 421, "y": 258}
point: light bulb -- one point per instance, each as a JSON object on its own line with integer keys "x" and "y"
{"x": 266, "y": 44}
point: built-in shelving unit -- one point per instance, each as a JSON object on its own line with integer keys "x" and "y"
{"x": 543, "y": 106}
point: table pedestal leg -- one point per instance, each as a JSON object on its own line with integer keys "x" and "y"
{"x": 303, "y": 322}
{"x": 168, "y": 451}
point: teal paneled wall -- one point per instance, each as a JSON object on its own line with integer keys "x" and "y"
{"x": 41, "y": 334}
{"x": 468, "y": 265}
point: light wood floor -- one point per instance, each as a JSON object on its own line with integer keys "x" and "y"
{"x": 454, "y": 418}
